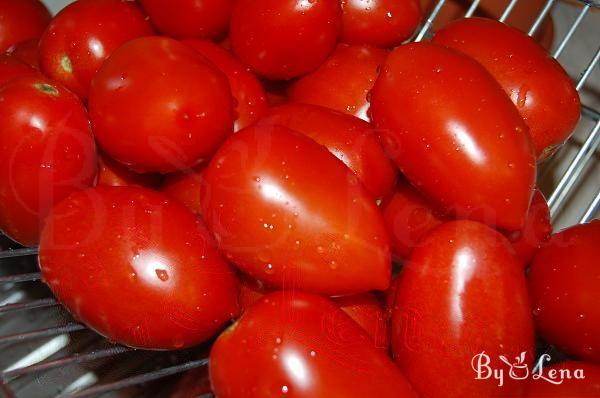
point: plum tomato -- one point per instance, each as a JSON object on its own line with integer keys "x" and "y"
{"x": 26, "y": 52}
{"x": 553, "y": 382}
{"x": 114, "y": 174}
{"x": 157, "y": 105}
{"x": 470, "y": 153}
{"x": 298, "y": 344}
{"x": 12, "y": 68}
{"x": 536, "y": 83}
{"x": 83, "y": 35}
{"x": 380, "y": 23}
{"x": 563, "y": 286}
{"x": 251, "y": 99}
{"x": 137, "y": 267}
{"x": 283, "y": 208}
{"x": 343, "y": 81}
{"x": 206, "y": 19}
{"x": 21, "y": 20}
{"x": 462, "y": 292}
{"x": 366, "y": 310}
{"x": 351, "y": 140}
{"x": 47, "y": 151}
{"x": 283, "y": 39}
{"x": 185, "y": 187}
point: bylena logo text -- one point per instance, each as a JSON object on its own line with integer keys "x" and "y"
{"x": 518, "y": 370}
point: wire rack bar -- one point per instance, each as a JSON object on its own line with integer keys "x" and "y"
{"x": 563, "y": 43}
{"x": 592, "y": 210}
{"x": 509, "y": 8}
{"x": 434, "y": 13}
{"x": 538, "y": 21}
{"x": 34, "y": 276}
{"x": 27, "y": 251}
{"x": 588, "y": 70}
{"x": 46, "y": 302}
{"x": 36, "y": 334}
{"x": 472, "y": 8}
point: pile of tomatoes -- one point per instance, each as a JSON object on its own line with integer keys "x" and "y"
{"x": 351, "y": 216}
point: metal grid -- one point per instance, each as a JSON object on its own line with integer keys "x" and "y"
{"x": 60, "y": 357}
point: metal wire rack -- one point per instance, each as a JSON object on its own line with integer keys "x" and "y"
{"x": 45, "y": 353}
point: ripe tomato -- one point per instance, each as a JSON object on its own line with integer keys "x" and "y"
{"x": 283, "y": 208}
{"x": 350, "y": 139}
{"x": 568, "y": 387}
{"x": 206, "y": 19}
{"x": 461, "y": 292}
{"x": 282, "y": 39}
{"x": 47, "y": 151}
{"x": 537, "y": 84}
{"x": 157, "y": 105}
{"x": 301, "y": 345}
{"x": 185, "y": 187}
{"x": 251, "y": 100}
{"x": 26, "y": 52}
{"x": 366, "y": 310}
{"x": 83, "y": 35}
{"x": 381, "y": 23}
{"x": 470, "y": 153}
{"x": 114, "y": 174}
{"x": 563, "y": 284}
{"x": 137, "y": 267}
{"x": 11, "y": 68}
{"x": 21, "y": 20}
{"x": 343, "y": 81}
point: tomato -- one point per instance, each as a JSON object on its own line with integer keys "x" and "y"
{"x": 282, "y": 39}
{"x": 137, "y": 267}
{"x": 409, "y": 217}
{"x": 11, "y": 68}
{"x": 251, "y": 290}
{"x": 350, "y": 139}
{"x": 282, "y": 208}
{"x": 26, "y": 52}
{"x": 563, "y": 284}
{"x": 568, "y": 387}
{"x": 185, "y": 187}
{"x": 470, "y": 153}
{"x": 207, "y": 19}
{"x": 47, "y": 151}
{"x": 192, "y": 384}
{"x": 21, "y": 20}
{"x": 366, "y": 310}
{"x": 461, "y": 292}
{"x": 83, "y": 35}
{"x": 298, "y": 344}
{"x": 381, "y": 23}
{"x": 111, "y": 173}
{"x": 537, "y": 84}
{"x": 246, "y": 89}
{"x": 343, "y": 81}
{"x": 157, "y": 105}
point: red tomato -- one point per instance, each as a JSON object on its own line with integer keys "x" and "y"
{"x": 21, "y": 20}
{"x": 563, "y": 284}
{"x": 113, "y": 174}
{"x": 47, "y": 151}
{"x": 282, "y": 39}
{"x": 350, "y": 139}
{"x": 471, "y": 153}
{"x": 26, "y": 52}
{"x": 207, "y": 19}
{"x": 535, "y": 232}
{"x": 157, "y": 105}
{"x": 83, "y": 35}
{"x": 366, "y": 310}
{"x": 245, "y": 87}
{"x": 137, "y": 267}
{"x": 343, "y": 82}
{"x": 462, "y": 292}
{"x": 185, "y": 187}
{"x": 296, "y": 344}
{"x": 283, "y": 208}
{"x": 11, "y": 68}
{"x": 537, "y": 84}
{"x": 381, "y": 23}
{"x": 568, "y": 387}
{"x": 251, "y": 290}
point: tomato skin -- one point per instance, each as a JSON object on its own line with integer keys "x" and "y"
{"x": 569, "y": 388}
{"x": 563, "y": 285}
{"x": 207, "y": 19}
{"x": 245, "y": 87}
{"x": 462, "y": 291}
{"x": 350, "y": 139}
{"x": 343, "y": 81}
{"x": 113, "y": 174}
{"x": 174, "y": 289}
{"x": 283, "y": 208}
{"x": 12, "y": 68}
{"x": 366, "y": 310}
{"x": 536, "y": 83}
{"x": 264, "y": 35}
{"x": 469, "y": 153}
{"x": 185, "y": 187}
{"x": 287, "y": 331}
{"x": 48, "y": 151}
{"x": 83, "y": 35}
{"x": 21, "y": 20}
{"x": 380, "y": 23}
{"x": 26, "y": 52}
{"x": 128, "y": 106}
